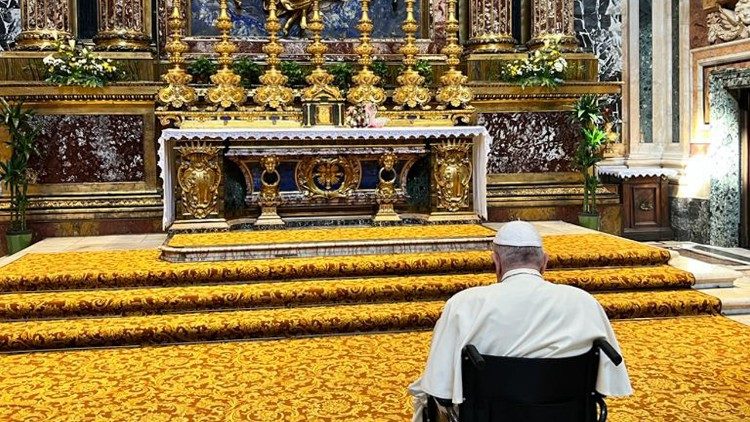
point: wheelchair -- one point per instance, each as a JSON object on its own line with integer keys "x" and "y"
{"x": 507, "y": 389}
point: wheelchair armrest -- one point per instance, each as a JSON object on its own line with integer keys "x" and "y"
{"x": 608, "y": 350}
{"x": 472, "y": 354}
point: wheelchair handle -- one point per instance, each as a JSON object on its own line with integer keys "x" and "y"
{"x": 476, "y": 359}
{"x": 608, "y": 350}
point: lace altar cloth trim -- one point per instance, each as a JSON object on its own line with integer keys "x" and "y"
{"x": 482, "y": 142}
{"x": 627, "y": 173}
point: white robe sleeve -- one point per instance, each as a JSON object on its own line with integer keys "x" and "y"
{"x": 612, "y": 380}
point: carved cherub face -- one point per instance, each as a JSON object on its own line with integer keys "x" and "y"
{"x": 743, "y": 11}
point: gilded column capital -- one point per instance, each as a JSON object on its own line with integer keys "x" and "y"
{"x": 123, "y": 25}
{"x": 43, "y": 21}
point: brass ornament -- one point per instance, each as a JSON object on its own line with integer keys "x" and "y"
{"x": 327, "y": 178}
{"x": 268, "y": 197}
{"x": 365, "y": 81}
{"x": 177, "y": 93}
{"x": 199, "y": 177}
{"x": 451, "y": 175}
{"x": 385, "y": 193}
{"x": 453, "y": 93}
{"x": 273, "y": 92}
{"x": 319, "y": 80}
{"x": 228, "y": 92}
{"x": 410, "y": 93}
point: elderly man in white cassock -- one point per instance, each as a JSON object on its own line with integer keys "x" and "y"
{"x": 520, "y": 316}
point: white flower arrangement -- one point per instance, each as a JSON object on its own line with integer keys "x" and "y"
{"x": 545, "y": 66}
{"x": 71, "y": 65}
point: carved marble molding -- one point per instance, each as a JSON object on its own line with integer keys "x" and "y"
{"x": 42, "y": 21}
{"x": 553, "y": 17}
{"x": 123, "y": 25}
{"x": 727, "y": 21}
{"x": 491, "y": 26}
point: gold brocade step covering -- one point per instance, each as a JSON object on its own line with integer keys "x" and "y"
{"x": 109, "y": 269}
{"x": 310, "y": 292}
{"x": 283, "y": 322}
{"x": 682, "y": 370}
{"x": 437, "y": 231}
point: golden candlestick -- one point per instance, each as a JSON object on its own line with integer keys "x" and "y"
{"x": 177, "y": 93}
{"x": 319, "y": 79}
{"x": 453, "y": 93}
{"x": 228, "y": 92}
{"x": 366, "y": 89}
{"x": 273, "y": 92}
{"x": 410, "y": 92}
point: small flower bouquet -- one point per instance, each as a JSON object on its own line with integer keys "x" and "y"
{"x": 71, "y": 65}
{"x": 545, "y": 66}
{"x": 364, "y": 115}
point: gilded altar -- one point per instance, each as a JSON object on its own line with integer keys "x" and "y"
{"x": 295, "y": 176}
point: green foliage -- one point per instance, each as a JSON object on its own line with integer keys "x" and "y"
{"x": 342, "y": 73}
{"x": 71, "y": 65}
{"x": 544, "y": 66}
{"x": 424, "y": 68}
{"x": 248, "y": 70}
{"x": 295, "y": 73}
{"x": 380, "y": 69}
{"x": 587, "y": 111}
{"x": 201, "y": 69}
{"x": 590, "y": 150}
{"x": 15, "y": 173}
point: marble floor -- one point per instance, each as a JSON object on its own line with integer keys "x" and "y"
{"x": 727, "y": 279}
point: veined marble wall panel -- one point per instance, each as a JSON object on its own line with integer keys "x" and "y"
{"x": 530, "y": 142}
{"x": 10, "y": 22}
{"x": 598, "y": 25}
{"x": 646, "y": 70}
{"x": 90, "y": 149}
{"x": 340, "y": 18}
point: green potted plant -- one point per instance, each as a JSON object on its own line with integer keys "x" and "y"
{"x": 380, "y": 69}
{"x": 342, "y": 73}
{"x": 15, "y": 173}
{"x": 589, "y": 151}
{"x": 201, "y": 69}
{"x": 249, "y": 72}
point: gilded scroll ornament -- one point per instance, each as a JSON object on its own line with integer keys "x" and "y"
{"x": 729, "y": 24}
{"x": 228, "y": 92}
{"x": 453, "y": 93}
{"x": 385, "y": 193}
{"x": 177, "y": 93}
{"x": 324, "y": 177}
{"x": 199, "y": 177}
{"x": 410, "y": 91}
{"x": 366, "y": 89}
{"x": 273, "y": 92}
{"x": 269, "y": 198}
{"x": 452, "y": 174}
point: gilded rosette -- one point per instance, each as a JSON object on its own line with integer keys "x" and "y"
{"x": 366, "y": 89}
{"x": 228, "y": 92}
{"x": 319, "y": 79}
{"x": 273, "y": 92}
{"x": 177, "y": 93}
{"x": 453, "y": 93}
{"x": 410, "y": 93}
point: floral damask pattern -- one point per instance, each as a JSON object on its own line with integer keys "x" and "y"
{"x": 310, "y": 292}
{"x": 328, "y": 235}
{"x": 354, "y": 378}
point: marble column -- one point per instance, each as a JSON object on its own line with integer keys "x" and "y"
{"x": 42, "y": 21}
{"x": 491, "y": 30}
{"x": 123, "y": 25}
{"x": 553, "y": 17}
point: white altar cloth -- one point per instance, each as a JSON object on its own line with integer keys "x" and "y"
{"x": 629, "y": 172}
{"x": 482, "y": 142}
